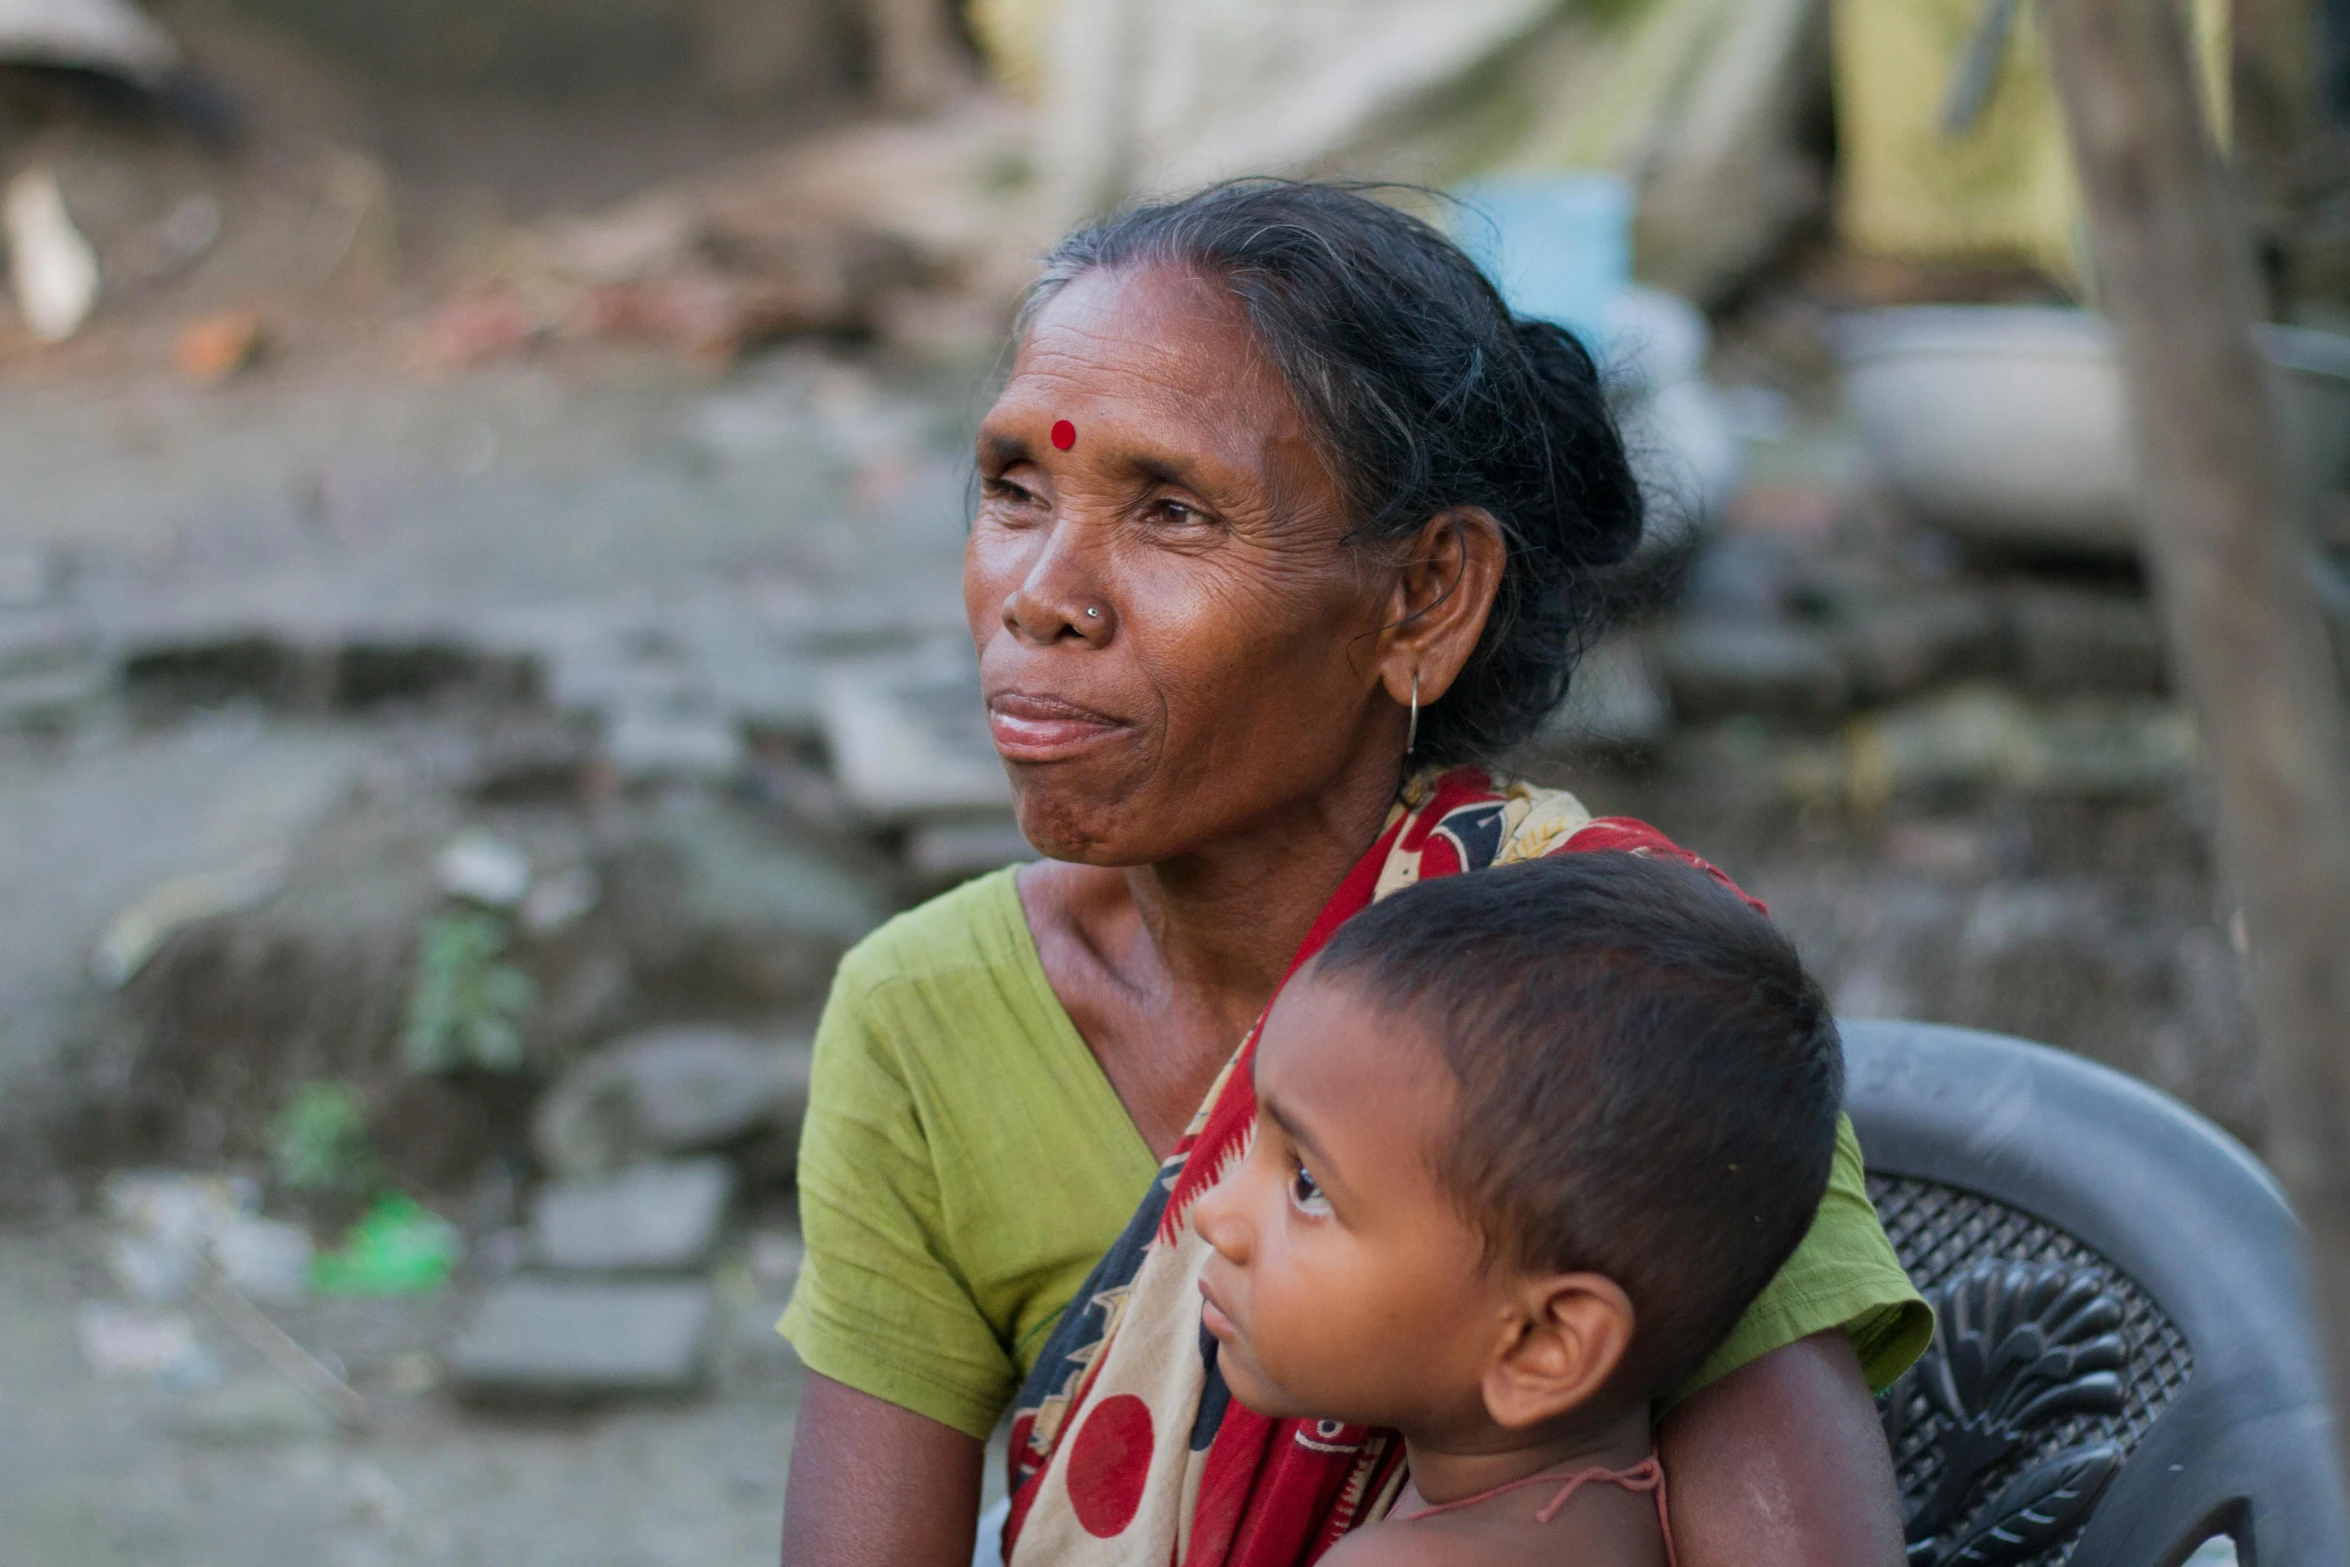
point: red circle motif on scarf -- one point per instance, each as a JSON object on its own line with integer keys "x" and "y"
{"x": 1110, "y": 1465}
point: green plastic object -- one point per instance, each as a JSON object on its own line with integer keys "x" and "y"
{"x": 400, "y": 1247}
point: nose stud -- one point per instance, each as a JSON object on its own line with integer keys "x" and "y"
{"x": 1092, "y": 613}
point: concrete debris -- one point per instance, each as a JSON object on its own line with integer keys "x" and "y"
{"x": 1739, "y": 576}
{"x": 667, "y": 1091}
{"x": 1768, "y": 629}
{"x": 483, "y": 868}
{"x": 52, "y": 267}
{"x": 51, "y": 669}
{"x": 265, "y": 1259}
{"x": 1905, "y": 642}
{"x": 502, "y": 1253}
{"x": 1781, "y": 669}
{"x": 140, "y": 930}
{"x": 646, "y": 740}
{"x": 175, "y": 1204}
{"x": 162, "y": 1226}
{"x": 127, "y": 1341}
{"x": 1614, "y": 698}
{"x": 666, "y": 705}
{"x": 165, "y": 1229}
{"x": 2078, "y": 640}
{"x": 731, "y": 906}
{"x": 374, "y": 1500}
{"x": 414, "y": 1373}
{"x": 559, "y": 901}
{"x": 41, "y": 641}
{"x": 1977, "y": 737}
{"x": 151, "y": 1270}
{"x": 954, "y": 851}
{"x": 28, "y": 576}
{"x": 254, "y": 1412}
{"x": 567, "y": 1338}
{"x": 774, "y": 1256}
{"x": 111, "y": 37}
{"x": 768, "y": 693}
{"x": 655, "y": 1217}
{"x": 912, "y": 741}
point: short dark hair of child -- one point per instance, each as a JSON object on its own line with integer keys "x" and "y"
{"x": 1649, "y": 1082}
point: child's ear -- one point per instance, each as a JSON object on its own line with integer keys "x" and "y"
{"x": 1568, "y": 1338}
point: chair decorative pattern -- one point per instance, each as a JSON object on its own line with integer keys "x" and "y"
{"x": 2048, "y": 1364}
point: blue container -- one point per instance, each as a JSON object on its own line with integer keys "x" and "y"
{"x": 1558, "y": 245}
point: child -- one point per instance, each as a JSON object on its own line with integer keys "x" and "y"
{"x": 1528, "y": 1143}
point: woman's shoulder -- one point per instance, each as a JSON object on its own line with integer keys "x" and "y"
{"x": 977, "y": 924}
{"x": 958, "y": 969}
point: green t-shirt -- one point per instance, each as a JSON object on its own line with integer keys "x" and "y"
{"x": 965, "y": 1164}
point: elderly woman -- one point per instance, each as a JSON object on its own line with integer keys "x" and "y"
{"x": 1285, "y": 524}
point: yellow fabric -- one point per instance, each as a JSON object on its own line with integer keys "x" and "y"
{"x": 1015, "y": 41}
{"x": 965, "y": 1164}
{"x": 2004, "y": 190}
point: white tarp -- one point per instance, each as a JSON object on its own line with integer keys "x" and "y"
{"x": 1696, "y": 102}
{"x": 1235, "y": 85}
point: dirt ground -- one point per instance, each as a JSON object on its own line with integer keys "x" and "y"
{"x": 94, "y": 1474}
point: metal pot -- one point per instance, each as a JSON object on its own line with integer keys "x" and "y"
{"x": 2008, "y": 426}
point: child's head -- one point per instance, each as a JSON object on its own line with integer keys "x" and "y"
{"x": 1529, "y": 1142}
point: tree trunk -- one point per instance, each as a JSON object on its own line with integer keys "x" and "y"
{"x": 2227, "y": 531}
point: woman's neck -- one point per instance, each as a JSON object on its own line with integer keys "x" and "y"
{"x": 1226, "y": 919}
{"x": 1163, "y": 968}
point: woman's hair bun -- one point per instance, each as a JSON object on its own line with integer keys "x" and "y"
{"x": 1605, "y": 497}
{"x": 1426, "y": 394}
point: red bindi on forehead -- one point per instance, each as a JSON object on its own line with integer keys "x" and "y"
{"x": 1064, "y": 434}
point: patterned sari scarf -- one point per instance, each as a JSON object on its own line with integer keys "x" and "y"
{"x": 1127, "y": 1448}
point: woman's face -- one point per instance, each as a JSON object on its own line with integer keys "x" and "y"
{"x": 1174, "y": 639}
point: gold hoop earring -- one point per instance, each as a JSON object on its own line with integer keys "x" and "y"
{"x": 1411, "y": 739}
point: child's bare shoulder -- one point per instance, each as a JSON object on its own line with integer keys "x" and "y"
{"x": 1401, "y": 1545}
{"x": 1443, "y": 1543}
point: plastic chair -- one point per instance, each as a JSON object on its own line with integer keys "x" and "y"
{"x": 2124, "y": 1365}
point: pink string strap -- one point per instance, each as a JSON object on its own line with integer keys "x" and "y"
{"x": 1647, "y": 1475}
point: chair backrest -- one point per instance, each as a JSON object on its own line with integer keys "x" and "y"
{"x": 2124, "y": 1364}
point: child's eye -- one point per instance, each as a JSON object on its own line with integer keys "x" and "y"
{"x": 1305, "y": 1193}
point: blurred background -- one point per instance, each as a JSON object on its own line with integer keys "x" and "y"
{"x": 481, "y": 493}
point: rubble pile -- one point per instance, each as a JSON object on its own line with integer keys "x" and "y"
{"x": 913, "y": 232}
{"x": 271, "y": 182}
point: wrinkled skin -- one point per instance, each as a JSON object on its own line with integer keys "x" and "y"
{"x": 1203, "y": 760}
